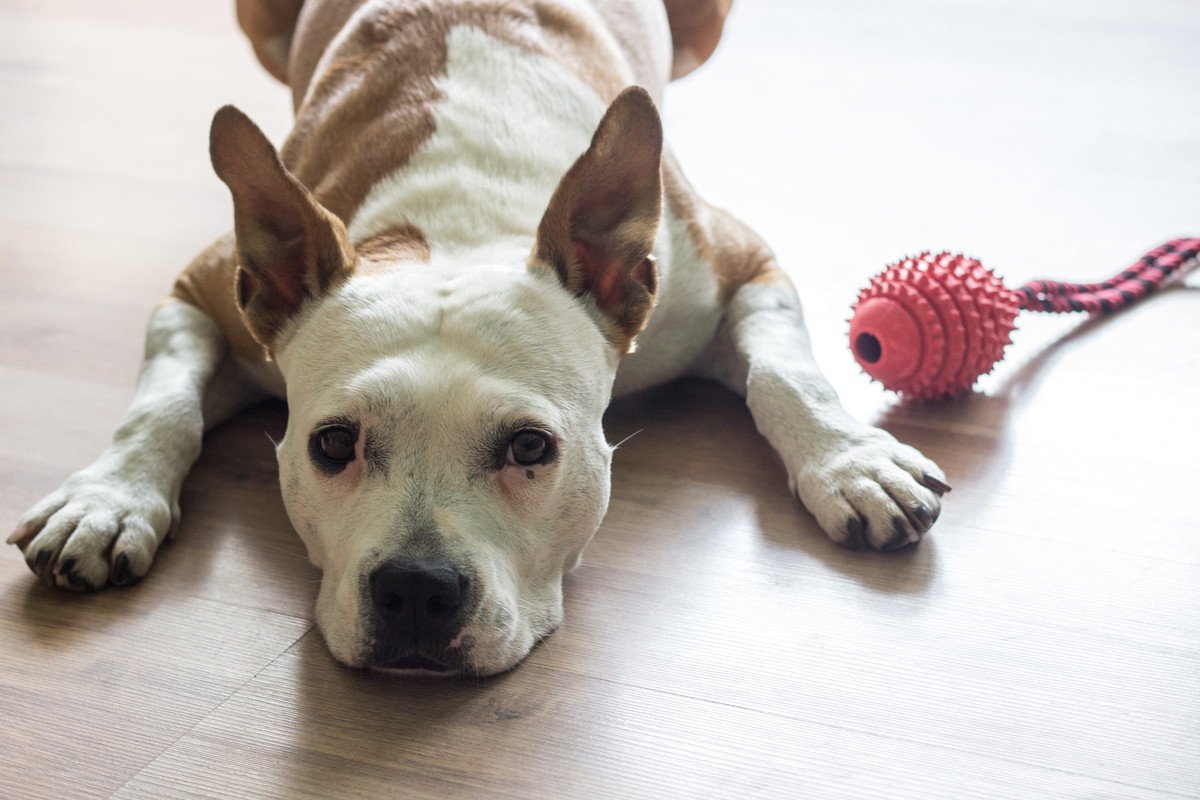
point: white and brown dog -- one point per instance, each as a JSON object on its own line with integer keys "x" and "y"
{"x": 448, "y": 293}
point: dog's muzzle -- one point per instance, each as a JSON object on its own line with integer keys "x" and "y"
{"x": 417, "y": 607}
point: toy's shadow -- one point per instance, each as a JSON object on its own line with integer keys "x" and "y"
{"x": 967, "y": 435}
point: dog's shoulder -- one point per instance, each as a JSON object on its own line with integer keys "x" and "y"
{"x": 208, "y": 283}
{"x": 721, "y": 243}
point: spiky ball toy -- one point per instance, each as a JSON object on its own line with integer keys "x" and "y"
{"x": 928, "y": 326}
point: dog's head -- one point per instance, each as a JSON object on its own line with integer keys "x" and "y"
{"x": 444, "y": 460}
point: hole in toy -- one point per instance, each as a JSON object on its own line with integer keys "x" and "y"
{"x": 868, "y": 348}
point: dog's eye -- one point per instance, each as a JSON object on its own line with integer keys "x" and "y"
{"x": 332, "y": 448}
{"x": 529, "y": 447}
{"x": 337, "y": 444}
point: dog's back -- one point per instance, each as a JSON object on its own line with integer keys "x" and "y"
{"x": 365, "y": 73}
{"x": 289, "y": 36}
{"x": 426, "y": 125}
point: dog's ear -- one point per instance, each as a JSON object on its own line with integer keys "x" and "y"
{"x": 290, "y": 249}
{"x": 598, "y": 231}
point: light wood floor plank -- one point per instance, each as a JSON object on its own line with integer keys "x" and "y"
{"x": 624, "y": 741}
{"x": 1044, "y": 642}
{"x": 91, "y": 691}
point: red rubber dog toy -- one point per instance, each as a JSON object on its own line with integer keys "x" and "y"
{"x": 928, "y": 326}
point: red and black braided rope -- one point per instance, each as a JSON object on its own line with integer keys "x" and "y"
{"x": 1120, "y": 291}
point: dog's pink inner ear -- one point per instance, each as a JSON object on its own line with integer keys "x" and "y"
{"x": 605, "y": 279}
{"x": 290, "y": 249}
{"x": 599, "y": 228}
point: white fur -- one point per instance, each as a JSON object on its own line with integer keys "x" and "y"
{"x": 684, "y": 318}
{"x": 510, "y": 125}
{"x": 126, "y": 501}
{"x": 430, "y": 362}
{"x": 840, "y": 468}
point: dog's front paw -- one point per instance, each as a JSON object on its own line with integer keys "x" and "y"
{"x": 98, "y": 527}
{"x": 872, "y": 491}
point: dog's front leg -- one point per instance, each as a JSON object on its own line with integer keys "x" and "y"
{"x": 865, "y": 488}
{"x": 107, "y": 521}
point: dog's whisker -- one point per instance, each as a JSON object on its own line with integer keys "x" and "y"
{"x": 627, "y": 438}
{"x": 283, "y": 550}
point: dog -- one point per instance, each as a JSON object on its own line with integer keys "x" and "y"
{"x": 470, "y": 242}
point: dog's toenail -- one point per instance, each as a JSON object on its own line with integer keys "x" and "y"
{"x": 120, "y": 569}
{"x": 923, "y": 515}
{"x": 855, "y": 534}
{"x": 899, "y": 536}
{"x": 40, "y": 560}
{"x": 66, "y": 566}
{"x": 934, "y": 484}
{"x": 76, "y": 580}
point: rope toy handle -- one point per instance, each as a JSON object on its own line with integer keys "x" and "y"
{"x": 929, "y": 325}
{"x": 1149, "y": 273}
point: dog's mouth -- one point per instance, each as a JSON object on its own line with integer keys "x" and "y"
{"x": 415, "y": 662}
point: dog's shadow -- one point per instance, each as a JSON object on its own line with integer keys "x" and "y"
{"x": 694, "y": 433}
{"x": 354, "y": 729}
{"x": 234, "y": 544}
{"x": 697, "y": 439}
{"x": 689, "y": 449}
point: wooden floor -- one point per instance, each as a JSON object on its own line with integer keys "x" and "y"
{"x": 1045, "y": 642}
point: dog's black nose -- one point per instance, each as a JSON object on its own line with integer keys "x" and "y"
{"x": 417, "y": 597}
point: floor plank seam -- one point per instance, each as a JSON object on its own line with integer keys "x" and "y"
{"x": 257, "y": 609}
{"x": 1037, "y": 624}
{"x": 879, "y": 734}
{"x": 212, "y": 711}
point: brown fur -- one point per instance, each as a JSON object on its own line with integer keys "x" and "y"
{"x": 392, "y": 61}
{"x": 289, "y": 248}
{"x": 696, "y": 27}
{"x": 405, "y": 244}
{"x": 735, "y": 252}
{"x": 318, "y": 24}
{"x": 208, "y": 284}
{"x": 374, "y": 108}
{"x": 269, "y": 25}
{"x": 599, "y": 229}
